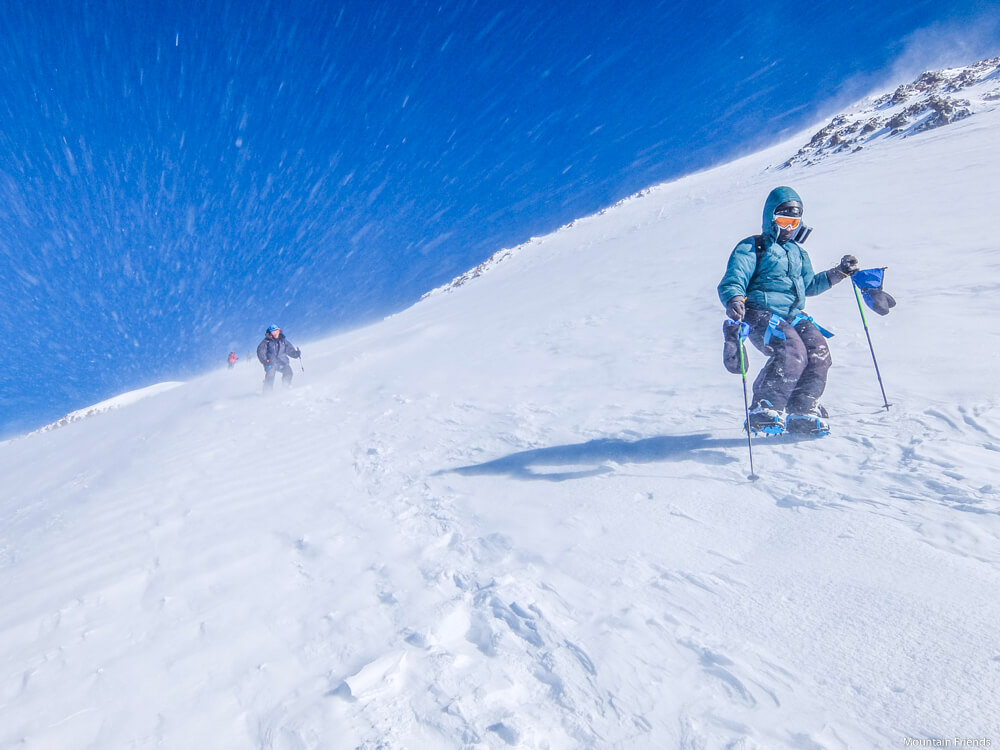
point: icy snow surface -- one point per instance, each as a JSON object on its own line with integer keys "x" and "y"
{"x": 517, "y": 514}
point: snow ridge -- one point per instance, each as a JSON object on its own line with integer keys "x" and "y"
{"x": 507, "y": 253}
{"x": 117, "y": 402}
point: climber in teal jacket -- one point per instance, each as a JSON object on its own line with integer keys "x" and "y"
{"x": 766, "y": 284}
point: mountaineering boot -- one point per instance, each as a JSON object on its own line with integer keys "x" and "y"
{"x": 765, "y": 418}
{"x": 812, "y": 422}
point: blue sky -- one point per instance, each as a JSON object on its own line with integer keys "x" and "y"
{"x": 174, "y": 176}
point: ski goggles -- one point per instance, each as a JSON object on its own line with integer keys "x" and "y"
{"x": 788, "y": 222}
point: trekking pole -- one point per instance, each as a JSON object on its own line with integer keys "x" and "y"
{"x": 740, "y": 338}
{"x": 302, "y": 367}
{"x": 864, "y": 321}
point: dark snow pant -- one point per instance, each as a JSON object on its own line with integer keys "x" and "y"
{"x": 286, "y": 375}
{"x": 795, "y": 375}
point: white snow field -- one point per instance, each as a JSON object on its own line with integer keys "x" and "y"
{"x": 517, "y": 514}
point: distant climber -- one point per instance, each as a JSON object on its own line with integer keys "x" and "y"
{"x": 232, "y": 359}
{"x": 273, "y": 352}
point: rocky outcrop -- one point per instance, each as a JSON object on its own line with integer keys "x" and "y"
{"x": 934, "y": 99}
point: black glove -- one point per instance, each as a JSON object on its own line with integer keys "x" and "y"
{"x": 736, "y": 307}
{"x": 848, "y": 267}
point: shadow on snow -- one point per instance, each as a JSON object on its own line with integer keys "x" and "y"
{"x": 562, "y": 462}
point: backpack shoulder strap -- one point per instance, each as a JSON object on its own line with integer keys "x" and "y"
{"x": 759, "y": 248}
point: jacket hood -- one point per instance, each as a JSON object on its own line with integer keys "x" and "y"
{"x": 774, "y": 199}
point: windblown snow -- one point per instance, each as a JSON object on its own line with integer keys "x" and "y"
{"x": 517, "y": 514}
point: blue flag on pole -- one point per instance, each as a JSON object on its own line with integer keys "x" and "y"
{"x": 869, "y": 283}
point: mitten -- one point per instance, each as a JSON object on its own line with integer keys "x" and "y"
{"x": 733, "y": 333}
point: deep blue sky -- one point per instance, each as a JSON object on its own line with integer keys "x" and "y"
{"x": 174, "y": 176}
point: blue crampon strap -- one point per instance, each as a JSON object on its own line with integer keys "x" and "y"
{"x": 773, "y": 330}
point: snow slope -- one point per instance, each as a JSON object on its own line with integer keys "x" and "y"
{"x": 517, "y": 514}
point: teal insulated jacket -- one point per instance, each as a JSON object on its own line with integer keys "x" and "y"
{"x": 785, "y": 276}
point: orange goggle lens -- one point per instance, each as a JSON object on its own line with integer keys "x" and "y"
{"x": 787, "y": 222}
